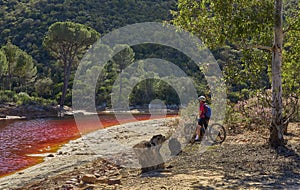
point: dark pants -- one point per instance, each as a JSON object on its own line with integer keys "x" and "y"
{"x": 203, "y": 122}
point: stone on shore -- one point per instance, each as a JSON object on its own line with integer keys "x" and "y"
{"x": 89, "y": 178}
{"x": 148, "y": 153}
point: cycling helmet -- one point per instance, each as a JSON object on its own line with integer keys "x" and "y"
{"x": 201, "y": 98}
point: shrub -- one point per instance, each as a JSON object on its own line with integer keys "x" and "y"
{"x": 23, "y": 98}
{"x": 7, "y": 96}
{"x": 255, "y": 113}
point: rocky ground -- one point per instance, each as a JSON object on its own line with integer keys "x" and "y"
{"x": 243, "y": 161}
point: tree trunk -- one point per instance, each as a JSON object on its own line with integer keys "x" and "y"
{"x": 149, "y": 90}
{"x": 9, "y": 78}
{"x": 67, "y": 72}
{"x": 120, "y": 102}
{"x": 276, "y": 129}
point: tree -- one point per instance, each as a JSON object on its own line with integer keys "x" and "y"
{"x": 67, "y": 41}
{"x": 123, "y": 58}
{"x": 10, "y": 52}
{"x": 20, "y": 65}
{"x": 250, "y": 26}
{"x": 3, "y": 64}
{"x": 43, "y": 87}
{"x": 26, "y": 69}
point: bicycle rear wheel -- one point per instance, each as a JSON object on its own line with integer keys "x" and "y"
{"x": 217, "y": 133}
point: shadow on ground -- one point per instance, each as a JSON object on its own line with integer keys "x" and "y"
{"x": 248, "y": 166}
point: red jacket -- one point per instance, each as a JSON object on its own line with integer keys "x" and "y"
{"x": 202, "y": 110}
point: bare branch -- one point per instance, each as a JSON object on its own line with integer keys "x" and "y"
{"x": 253, "y": 46}
{"x": 268, "y": 101}
{"x": 294, "y": 107}
{"x": 267, "y": 48}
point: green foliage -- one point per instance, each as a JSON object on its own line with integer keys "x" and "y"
{"x": 124, "y": 57}
{"x": 7, "y": 96}
{"x": 20, "y": 67}
{"x": 234, "y": 21}
{"x": 23, "y": 98}
{"x": 246, "y": 26}
{"x": 26, "y": 22}
{"x": 26, "y": 68}
{"x": 233, "y": 28}
{"x": 44, "y": 87}
{"x": 11, "y": 52}
{"x": 67, "y": 39}
{"x": 67, "y": 42}
{"x": 3, "y": 63}
{"x": 3, "y": 70}
{"x": 291, "y": 66}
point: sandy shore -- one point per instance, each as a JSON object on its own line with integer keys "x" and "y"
{"x": 110, "y": 144}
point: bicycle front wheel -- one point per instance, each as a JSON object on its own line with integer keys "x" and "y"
{"x": 217, "y": 133}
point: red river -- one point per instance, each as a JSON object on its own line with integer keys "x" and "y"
{"x": 18, "y": 138}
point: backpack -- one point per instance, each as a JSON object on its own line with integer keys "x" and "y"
{"x": 207, "y": 111}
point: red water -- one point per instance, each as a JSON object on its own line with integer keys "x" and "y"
{"x": 23, "y": 137}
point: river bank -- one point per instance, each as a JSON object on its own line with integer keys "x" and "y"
{"x": 11, "y": 111}
{"x": 77, "y": 152}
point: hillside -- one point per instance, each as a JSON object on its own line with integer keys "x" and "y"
{"x": 25, "y": 22}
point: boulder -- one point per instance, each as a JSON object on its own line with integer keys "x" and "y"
{"x": 88, "y": 178}
{"x": 148, "y": 153}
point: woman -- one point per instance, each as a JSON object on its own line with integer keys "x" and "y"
{"x": 203, "y": 120}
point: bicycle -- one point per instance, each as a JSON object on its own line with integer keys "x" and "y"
{"x": 216, "y": 133}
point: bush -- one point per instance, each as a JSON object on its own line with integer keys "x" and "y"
{"x": 292, "y": 107}
{"x": 255, "y": 113}
{"x": 23, "y": 98}
{"x": 7, "y": 96}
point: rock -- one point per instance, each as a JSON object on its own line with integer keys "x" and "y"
{"x": 103, "y": 179}
{"x": 50, "y": 155}
{"x": 113, "y": 172}
{"x": 89, "y": 187}
{"x": 70, "y": 182}
{"x": 88, "y": 178}
{"x": 114, "y": 181}
{"x": 97, "y": 175}
{"x": 148, "y": 153}
{"x": 157, "y": 140}
{"x": 81, "y": 184}
{"x": 74, "y": 180}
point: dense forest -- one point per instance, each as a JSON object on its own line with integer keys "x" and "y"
{"x": 24, "y": 25}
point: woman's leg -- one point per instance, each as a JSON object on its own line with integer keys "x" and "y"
{"x": 198, "y": 130}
